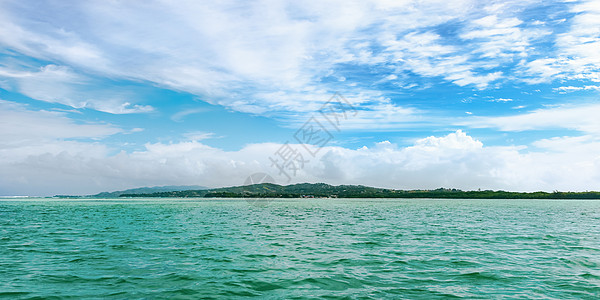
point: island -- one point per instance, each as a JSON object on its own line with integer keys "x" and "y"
{"x": 322, "y": 190}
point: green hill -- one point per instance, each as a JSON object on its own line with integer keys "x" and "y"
{"x": 147, "y": 190}
{"x": 270, "y": 190}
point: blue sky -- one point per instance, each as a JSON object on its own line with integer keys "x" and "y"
{"x": 103, "y": 95}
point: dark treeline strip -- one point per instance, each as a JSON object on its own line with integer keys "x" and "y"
{"x": 268, "y": 190}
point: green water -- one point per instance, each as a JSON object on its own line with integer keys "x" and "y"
{"x": 297, "y": 249}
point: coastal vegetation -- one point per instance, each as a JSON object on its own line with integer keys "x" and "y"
{"x": 322, "y": 190}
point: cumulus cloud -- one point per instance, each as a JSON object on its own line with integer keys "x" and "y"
{"x": 62, "y": 165}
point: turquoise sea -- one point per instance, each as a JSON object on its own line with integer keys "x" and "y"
{"x": 299, "y": 249}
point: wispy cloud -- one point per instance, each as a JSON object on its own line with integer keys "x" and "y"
{"x": 573, "y": 117}
{"x": 576, "y": 56}
{"x": 60, "y": 84}
{"x": 501, "y": 37}
{"x": 22, "y": 124}
{"x": 198, "y": 135}
{"x": 566, "y": 89}
{"x": 502, "y": 100}
{"x": 427, "y": 55}
{"x": 179, "y": 116}
{"x": 240, "y": 55}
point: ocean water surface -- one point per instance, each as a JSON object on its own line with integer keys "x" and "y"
{"x": 299, "y": 249}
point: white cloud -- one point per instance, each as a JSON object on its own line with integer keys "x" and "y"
{"x": 50, "y": 42}
{"x": 453, "y": 160}
{"x": 238, "y": 55}
{"x": 501, "y": 37}
{"x": 134, "y": 130}
{"x": 364, "y": 111}
{"x": 581, "y": 117}
{"x": 541, "y": 70}
{"x": 502, "y": 100}
{"x": 198, "y": 135}
{"x": 117, "y": 107}
{"x": 19, "y": 124}
{"x": 566, "y": 142}
{"x": 25, "y": 134}
{"x": 425, "y": 54}
{"x": 179, "y": 116}
{"x": 59, "y": 84}
{"x": 566, "y": 89}
{"x": 577, "y": 56}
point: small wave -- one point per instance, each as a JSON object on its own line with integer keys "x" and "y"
{"x": 480, "y": 275}
{"x": 12, "y": 295}
{"x": 367, "y": 243}
{"x": 463, "y": 263}
{"x": 262, "y": 286}
{"x": 178, "y": 277}
{"x": 589, "y": 276}
{"x": 229, "y": 293}
{"x": 67, "y": 278}
{"x": 258, "y": 255}
{"x": 337, "y": 283}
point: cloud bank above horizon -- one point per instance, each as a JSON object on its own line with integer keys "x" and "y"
{"x": 98, "y": 95}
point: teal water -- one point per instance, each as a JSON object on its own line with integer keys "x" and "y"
{"x": 297, "y": 249}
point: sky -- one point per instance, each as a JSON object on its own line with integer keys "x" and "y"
{"x": 109, "y": 95}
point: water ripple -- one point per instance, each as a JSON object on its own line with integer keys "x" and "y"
{"x": 298, "y": 249}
